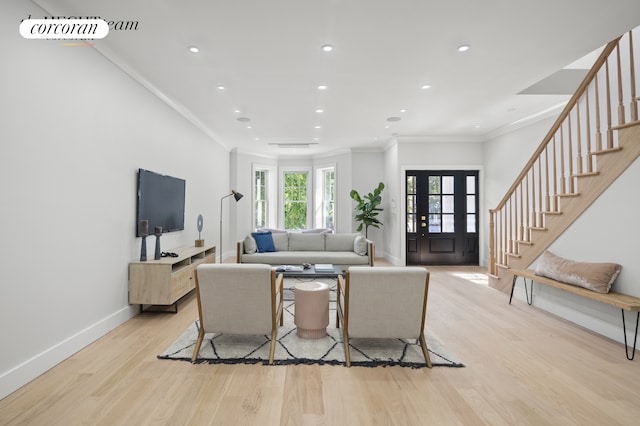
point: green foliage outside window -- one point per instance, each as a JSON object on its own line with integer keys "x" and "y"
{"x": 295, "y": 200}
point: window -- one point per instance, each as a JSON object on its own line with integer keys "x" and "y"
{"x": 260, "y": 199}
{"x": 325, "y": 197}
{"x": 264, "y": 199}
{"x": 296, "y": 209}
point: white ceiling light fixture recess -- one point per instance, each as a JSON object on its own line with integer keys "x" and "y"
{"x": 425, "y": 86}
{"x": 463, "y": 48}
{"x": 193, "y": 49}
{"x": 327, "y": 48}
{"x": 220, "y": 87}
{"x": 322, "y": 87}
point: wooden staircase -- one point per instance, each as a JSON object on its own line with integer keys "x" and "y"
{"x": 591, "y": 143}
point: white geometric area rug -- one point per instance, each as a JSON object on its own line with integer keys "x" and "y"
{"x": 291, "y": 349}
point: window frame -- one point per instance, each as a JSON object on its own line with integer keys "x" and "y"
{"x": 309, "y": 189}
{"x": 319, "y": 195}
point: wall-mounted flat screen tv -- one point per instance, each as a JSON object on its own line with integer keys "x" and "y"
{"x": 160, "y": 202}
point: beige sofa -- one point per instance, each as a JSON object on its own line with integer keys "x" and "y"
{"x": 295, "y": 248}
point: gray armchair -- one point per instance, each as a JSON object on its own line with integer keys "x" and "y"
{"x": 383, "y": 302}
{"x": 238, "y": 299}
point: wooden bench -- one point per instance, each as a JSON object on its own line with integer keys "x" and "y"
{"x": 622, "y": 301}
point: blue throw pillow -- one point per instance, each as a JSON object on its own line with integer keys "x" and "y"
{"x": 264, "y": 241}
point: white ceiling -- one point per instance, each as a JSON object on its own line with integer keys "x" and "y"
{"x": 267, "y": 54}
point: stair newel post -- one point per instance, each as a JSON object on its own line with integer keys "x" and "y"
{"x": 608, "y": 93}
{"x": 570, "y": 154}
{"x": 492, "y": 242}
{"x": 527, "y": 218}
{"x": 621, "y": 120}
{"x": 588, "y": 131}
{"x": 547, "y": 197}
{"x": 632, "y": 81}
{"x": 555, "y": 175}
{"x": 579, "y": 158}
{"x": 598, "y": 130}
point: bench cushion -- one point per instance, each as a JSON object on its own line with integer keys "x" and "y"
{"x": 597, "y": 277}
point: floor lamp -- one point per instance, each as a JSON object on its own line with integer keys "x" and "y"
{"x": 237, "y": 196}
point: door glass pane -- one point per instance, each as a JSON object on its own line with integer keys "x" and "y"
{"x": 434, "y": 204}
{"x": 448, "y": 223}
{"x": 434, "y": 223}
{"x": 411, "y": 204}
{"x": 411, "y": 184}
{"x": 471, "y": 203}
{"x": 447, "y": 184}
{"x": 434, "y": 184}
{"x": 471, "y": 184}
{"x": 411, "y": 223}
{"x": 471, "y": 223}
{"x": 447, "y": 204}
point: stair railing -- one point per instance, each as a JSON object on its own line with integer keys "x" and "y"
{"x": 566, "y": 152}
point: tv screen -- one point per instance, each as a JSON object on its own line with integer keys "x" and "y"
{"x": 160, "y": 202}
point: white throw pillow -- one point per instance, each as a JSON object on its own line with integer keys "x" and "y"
{"x": 250, "y": 246}
{"x": 360, "y": 245}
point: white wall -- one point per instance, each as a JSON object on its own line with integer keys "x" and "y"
{"x": 367, "y": 171}
{"x": 75, "y": 131}
{"x": 607, "y": 231}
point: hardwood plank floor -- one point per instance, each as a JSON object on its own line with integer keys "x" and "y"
{"x": 523, "y": 366}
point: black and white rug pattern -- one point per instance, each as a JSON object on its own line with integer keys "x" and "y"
{"x": 291, "y": 349}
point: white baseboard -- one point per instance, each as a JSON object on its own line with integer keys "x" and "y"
{"x": 14, "y": 379}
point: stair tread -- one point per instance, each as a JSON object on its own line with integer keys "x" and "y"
{"x": 586, "y": 174}
{"x": 568, "y": 194}
{"x": 551, "y": 212}
{"x": 529, "y": 243}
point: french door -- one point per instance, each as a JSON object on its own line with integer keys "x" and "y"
{"x": 442, "y": 217}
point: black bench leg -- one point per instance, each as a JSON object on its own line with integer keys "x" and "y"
{"x": 526, "y": 291}
{"x": 635, "y": 339}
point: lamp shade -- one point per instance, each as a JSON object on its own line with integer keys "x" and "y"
{"x": 236, "y": 195}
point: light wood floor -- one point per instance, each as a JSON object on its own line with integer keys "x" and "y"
{"x": 523, "y": 366}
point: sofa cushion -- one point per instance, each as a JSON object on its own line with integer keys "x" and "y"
{"x": 340, "y": 242}
{"x": 299, "y": 257}
{"x": 281, "y": 241}
{"x": 264, "y": 241}
{"x": 250, "y": 245}
{"x": 306, "y": 242}
{"x": 317, "y": 231}
{"x": 360, "y": 245}
{"x": 593, "y": 276}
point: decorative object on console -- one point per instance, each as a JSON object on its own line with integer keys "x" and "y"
{"x": 158, "y": 233}
{"x": 200, "y": 241}
{"x": 144, "y": 231}
{"x": 237, "y": 196}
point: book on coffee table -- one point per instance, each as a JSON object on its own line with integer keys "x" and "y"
{"x": 289, "y": 268}
{"x": 323, "y": 267}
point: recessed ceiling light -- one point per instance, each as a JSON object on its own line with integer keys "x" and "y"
{"x": 403, "y": 110}
{"x": 463, "y": 47}
{"x": 317, "y": 127}
{"x": 193, "y": 49}
{"x": 322, "y": 87}
{"x": 316, "y": 138}
{"x": 327, "y": 48}
{"x": 319, "y": 110}
{"x": 220, "y": 87}
{"x": 249, "y": 127}
{"x": 237, "y": 110}
{"x": 425, "y": 86}
{"x": 257, "y": 139}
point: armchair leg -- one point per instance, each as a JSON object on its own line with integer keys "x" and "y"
{"x": 196, "y": 350}
{"x": 272, "y": 348}
{"x": 425, "y": 351}
{"x": 347, "y": 354}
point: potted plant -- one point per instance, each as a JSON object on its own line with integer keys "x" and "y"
{"x": 368, "y": 208}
